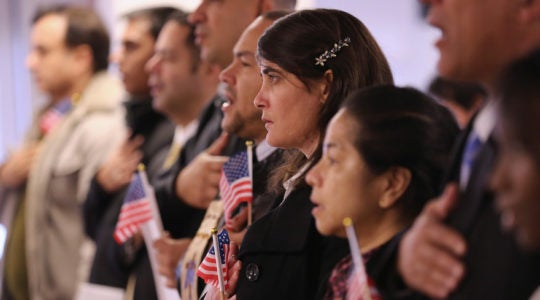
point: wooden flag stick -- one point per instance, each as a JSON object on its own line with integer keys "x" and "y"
{"x": 358, "y": 262}
{"x": 249, "y": 145}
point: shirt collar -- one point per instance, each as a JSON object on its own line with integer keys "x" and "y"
{"x": 183, "y": 133}
{"x": 485, "y": 121}
{"x": 263, "y": 150}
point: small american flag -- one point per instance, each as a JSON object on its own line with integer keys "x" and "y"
{"x": 54, "y": 115}
{"x": 208, "y": 268}
{"x": 135, "y": 211}
{"x": 235, "y": 185}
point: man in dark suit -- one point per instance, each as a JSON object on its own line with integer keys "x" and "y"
{"x": 456, "y": 248}
{"x": 194, "y": 179}
{"x": 218, "y": 25}
{"x": 180, "y": 85}
{"x": 241, "y": 83}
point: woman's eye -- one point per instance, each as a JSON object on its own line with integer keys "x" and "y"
{"x": 272, "y": 78}
{"x": 331, "y": 160}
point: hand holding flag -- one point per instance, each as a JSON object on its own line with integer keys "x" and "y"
{"x": 135, "y": 211}
{"x": 214, "y": 267}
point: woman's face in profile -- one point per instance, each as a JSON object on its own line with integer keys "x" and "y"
{"x": 343, "y": 186}
{"x": 516, "y": 182}
{"x": 290, "y": 111}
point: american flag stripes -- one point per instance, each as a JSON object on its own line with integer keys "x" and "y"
{"x": 235, "y": 185}
{"x": 135, "y": 211}
{"x": 208, "y": 270}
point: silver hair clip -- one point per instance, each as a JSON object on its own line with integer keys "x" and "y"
{"x": 321, "y": 60}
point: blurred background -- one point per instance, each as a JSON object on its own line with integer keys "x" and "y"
{"x": 398, "y": 26}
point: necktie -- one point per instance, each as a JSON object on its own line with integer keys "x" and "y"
{"x": 172, "y": 156}
{"x": 470, "y": 154}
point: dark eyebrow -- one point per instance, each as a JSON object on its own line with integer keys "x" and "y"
{"x": 266, "y": 69}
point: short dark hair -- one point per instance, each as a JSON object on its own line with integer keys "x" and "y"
{"x": 84, "y": 27}
{"x": 156, "y": 15}
{"x": 519, "y": 109}
{"x": 406, "y": 128}
{"x": 462, "y": 93}
{"x": 294, "y": 41}
{"x": 181, "y": 18}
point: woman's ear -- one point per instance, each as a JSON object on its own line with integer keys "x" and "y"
{"x": 397, "y": 182}
{"x": 326, "y": 84}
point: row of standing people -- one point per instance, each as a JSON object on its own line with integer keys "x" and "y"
{"x": 300, "y": 91}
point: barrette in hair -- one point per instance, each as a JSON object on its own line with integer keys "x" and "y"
{"x": 321, "y": 60}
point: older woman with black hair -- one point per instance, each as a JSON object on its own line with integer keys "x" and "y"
{"x": 384, "y": 156}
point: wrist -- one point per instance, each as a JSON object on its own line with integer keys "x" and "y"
{"x": 104, "y": 180}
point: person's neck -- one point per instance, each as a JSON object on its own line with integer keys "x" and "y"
{"x": 73, "y": 91}
{"x": 376, "y": 236}
{"x": 257, "y": 135}
{"x": 310, "y": 146}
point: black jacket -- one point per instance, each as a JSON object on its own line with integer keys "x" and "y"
{"x": 112, "y": 266}
{"x": 165, "y": 185}
{"x": 284, "y": 257}
{"x": 495, "y": 267}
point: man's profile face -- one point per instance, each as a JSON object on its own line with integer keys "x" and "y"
{"x": 478, "y": 38}
{"x": 173, "y": 75}
{"x": 52, "y": 64}
{"x": 242, "y": 83}
{"x": 136, "y": 49}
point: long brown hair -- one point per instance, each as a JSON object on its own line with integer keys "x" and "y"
{"x": 295, "y": 41}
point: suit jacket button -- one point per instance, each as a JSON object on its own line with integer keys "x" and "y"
{"x": 252, "y": 272}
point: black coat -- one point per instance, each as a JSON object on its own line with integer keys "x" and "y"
{"x": 112, "y": 264}
{"x": 263, "y": 200}
{"x": 157, "y": 132}
{"x": 382, "y": 268}
{"x": 495, "y": 267}
{"x": 284, "y": 257}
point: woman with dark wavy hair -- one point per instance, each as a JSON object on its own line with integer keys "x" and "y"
{"x": 310, "y": 61}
